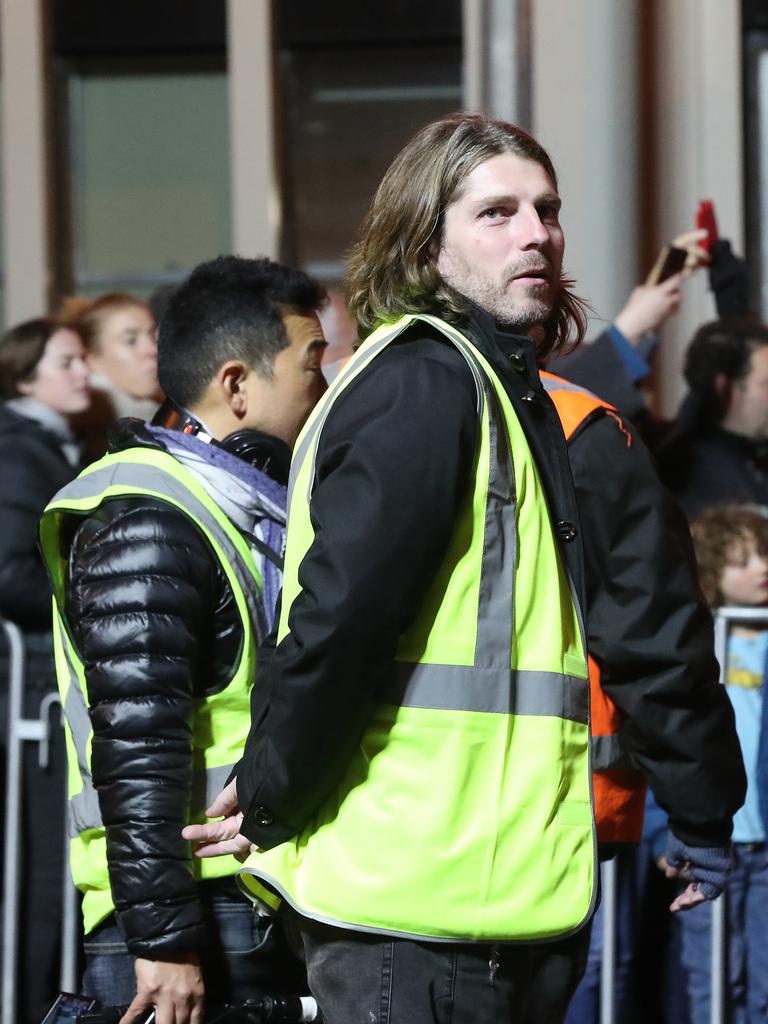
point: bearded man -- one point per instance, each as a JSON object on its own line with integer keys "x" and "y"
{"x": 415, "y": 789}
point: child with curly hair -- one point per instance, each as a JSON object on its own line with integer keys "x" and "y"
{"x": 731, "y": 544}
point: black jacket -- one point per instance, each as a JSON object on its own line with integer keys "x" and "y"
{"x": 714, "y": 466}
{"x": 599, "y": 367}
{"x": 652, "y": 634}
{"x": 156, "y": 625}
{"x": 394, "y": 461}
{"x": 35, "y": 468}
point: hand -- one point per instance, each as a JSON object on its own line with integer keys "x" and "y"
{"x": 218, "y": 838}
{"x": 697, "y": 257}
{"x": 689, "y": 898}
{"x": 706, "y": 869}
{"x": 174, "y": 987}
{"x": 648, "y": 307}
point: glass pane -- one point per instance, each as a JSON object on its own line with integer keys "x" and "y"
{"x": 348, "y": 112}
{"x": 150, "y": 174}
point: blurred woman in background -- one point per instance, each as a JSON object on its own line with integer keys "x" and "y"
{"x": 120, "y": 336}
{"x": 44, "y": 380}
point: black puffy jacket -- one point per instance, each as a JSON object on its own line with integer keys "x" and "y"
{"x": 156, "y": 624}
{"x": 35, "y": 468}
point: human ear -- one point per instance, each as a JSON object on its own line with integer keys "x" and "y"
{"x": 723, "y": 386}
{"x": 232, "y": 376}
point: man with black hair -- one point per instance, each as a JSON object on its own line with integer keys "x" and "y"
{"x": 719, "y": 448}
{"x": 166, "y": 561}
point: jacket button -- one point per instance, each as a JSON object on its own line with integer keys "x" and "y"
{"x": 517, "y": 359}
{"x": 529, "y": 396}
{"x": 262, "y": 816}
{"x": 566, "y": 531}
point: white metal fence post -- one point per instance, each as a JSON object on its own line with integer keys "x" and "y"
{"x": 609, "y": 874}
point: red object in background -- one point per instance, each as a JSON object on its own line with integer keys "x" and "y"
{"x": 705, "y": 218}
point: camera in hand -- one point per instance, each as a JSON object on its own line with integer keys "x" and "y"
{"x": 67, "y": 1008}
{"x": 76, "y": 1009}
{"x": 268, "y": 1010}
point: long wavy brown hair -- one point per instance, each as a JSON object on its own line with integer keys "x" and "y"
{"x": 393, "y": 266}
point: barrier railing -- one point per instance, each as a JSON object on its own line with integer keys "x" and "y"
{"x": 609, "y": 883}
{"x": 22, "y": 730}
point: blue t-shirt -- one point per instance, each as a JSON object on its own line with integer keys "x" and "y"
{"x": 744, "y": 684}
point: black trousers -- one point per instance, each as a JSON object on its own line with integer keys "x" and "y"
{"x": 370, "y": 979}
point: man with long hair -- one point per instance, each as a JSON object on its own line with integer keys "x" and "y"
{"x": 415, "y": 789}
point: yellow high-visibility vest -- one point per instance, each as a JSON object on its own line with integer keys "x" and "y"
{"x": 466, "y": 812}
{"x": 221, "y": 721}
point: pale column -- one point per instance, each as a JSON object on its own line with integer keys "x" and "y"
{"x": 699, "y": 149}
{"x": 23, "y": 144}
{"x": 496, "y": 45}
{"x": 255, "y": 204}
{"x": 585, "y": 109}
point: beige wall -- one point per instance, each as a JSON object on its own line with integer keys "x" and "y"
{"x": 24, "y": 208}
{"x": 586, "y": 77}
{"x": 698, "y": 146}
{"x": 255, "y": 206}
{"x": 584, "y": 92}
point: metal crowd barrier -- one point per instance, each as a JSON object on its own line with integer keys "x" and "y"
{"x": 21, "y": 730}
{"x": 724, "y": 617}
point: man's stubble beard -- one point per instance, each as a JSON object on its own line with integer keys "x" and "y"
{"x": 520, "y": 315}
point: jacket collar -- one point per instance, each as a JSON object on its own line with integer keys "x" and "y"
{"x": 500, "y": 344}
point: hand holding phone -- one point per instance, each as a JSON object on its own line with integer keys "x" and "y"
{"x": 671, "y": 261}
{"x": 685, "y": 254}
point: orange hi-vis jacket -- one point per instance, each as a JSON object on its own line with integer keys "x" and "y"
{"x": 619, "y": 789}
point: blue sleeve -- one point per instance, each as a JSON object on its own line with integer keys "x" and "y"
{"x": 636, "y": 366}
{"x": 762, "y": 758}
{"x": 655, "y": 827}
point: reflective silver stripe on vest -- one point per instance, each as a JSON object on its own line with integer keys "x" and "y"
{"x": 550, "y": 386}
{"x": 504, "y": 692}
{"x": 302, "y": 449}
{"x": 491, "y": 686}
{"x": 205, "y": 788}
{"x": 609, "y": 753}
{"x": 164, "y": 484}
{"x": 84, "y": 811}
{"x": 495, "y": 613}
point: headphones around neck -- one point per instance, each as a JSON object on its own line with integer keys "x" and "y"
{"x": 262, "y": 451}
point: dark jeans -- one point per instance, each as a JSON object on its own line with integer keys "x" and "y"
{"x": 247, "y": 955}
{"x": 746, "y": 897}
{"x": 585, "y": 1007}
{"x": 370, "y": 979}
